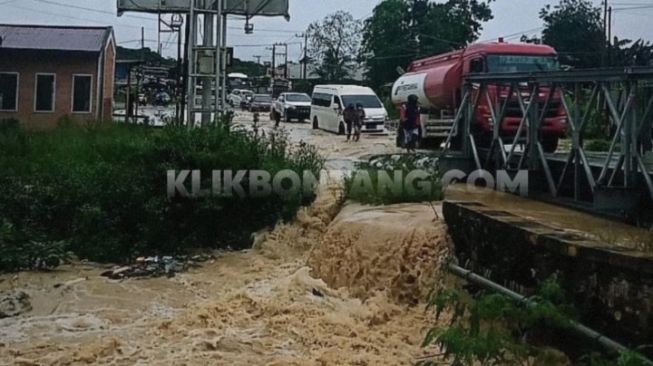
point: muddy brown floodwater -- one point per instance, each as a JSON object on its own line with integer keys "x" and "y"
{"x": 342, "y": 284}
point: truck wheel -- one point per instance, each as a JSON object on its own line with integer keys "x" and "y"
{"x": 287, "y": 117}
{"x": 550, "y": 144}
{"x": 341, "y": 129}
{"x": 316, "y": 125}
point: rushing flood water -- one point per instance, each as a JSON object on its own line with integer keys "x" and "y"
{"x": 331, "y": 288}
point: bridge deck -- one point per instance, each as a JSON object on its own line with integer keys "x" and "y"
{"x": 597, "y": 159}
{"x": 576, "y": 229}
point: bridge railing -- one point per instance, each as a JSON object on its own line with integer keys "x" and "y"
{"x": 623, "y": 96}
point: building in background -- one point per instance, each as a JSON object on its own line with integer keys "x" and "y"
{"x": 49, "y": 72}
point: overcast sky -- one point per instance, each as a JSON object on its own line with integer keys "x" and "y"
{"x": 511, "y": 18}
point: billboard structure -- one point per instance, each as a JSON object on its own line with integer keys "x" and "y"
{"x": 206, "y": 56}
{"x": 248, "y": 8}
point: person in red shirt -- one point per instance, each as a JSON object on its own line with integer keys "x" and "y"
{"x": 410, "y": 123}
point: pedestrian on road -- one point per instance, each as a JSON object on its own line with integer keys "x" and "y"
{"x": 410, "y": 122}
{"x": 350, "y": 115}
{"x": 358, "y": 122}
{"x": 277, "y": 117}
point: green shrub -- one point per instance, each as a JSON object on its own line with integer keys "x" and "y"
{"x": 368, "y": 191}
{"x": 491, "y": 329}
{"x": 102, "y": 189}
{"x": 598, "y": 145}
{"x": 18, "y": 252}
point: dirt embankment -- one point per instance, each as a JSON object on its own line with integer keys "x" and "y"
{"x": 318, "y": 291}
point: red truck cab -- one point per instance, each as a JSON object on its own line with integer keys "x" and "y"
{"x": 438, "y": 82}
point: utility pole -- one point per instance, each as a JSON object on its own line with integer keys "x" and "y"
{"x": 610, "y": 36}
{"x": 139, "y": 74}
{"x": 185, "y": 79}
{"x": 305, "y": 55}
{"x": 605, "y": 33}
{"x": 285, "y": 71}
{"x": 274, "y": 61}
{"x": 158, "y": 34}
{"x": 305, "y": 58}
{"x": 179, "y": 85}
{"x": 222, "y": 46}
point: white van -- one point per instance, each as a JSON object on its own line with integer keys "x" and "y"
{"x": 330, "y": 100}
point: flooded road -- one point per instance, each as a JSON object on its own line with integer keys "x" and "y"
{"x": 340, "y": 285}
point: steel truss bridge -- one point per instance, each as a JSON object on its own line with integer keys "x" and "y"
{"x": 616, "y": 183}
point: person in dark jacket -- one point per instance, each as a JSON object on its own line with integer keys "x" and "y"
{"x": 410, "y": 122}
{"x": 276, "y": 117}
{"x": 358, "y": 121}
{"x": 350, "y": 115}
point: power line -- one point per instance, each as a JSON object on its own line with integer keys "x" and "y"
{"x": 88, "y": 9}
{"x": 68, "y": 16}
{"x": 260, "y": 45}
{"x": 633, "y": 8}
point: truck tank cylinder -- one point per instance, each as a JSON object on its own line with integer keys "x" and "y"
{"x": 436, "y": 85}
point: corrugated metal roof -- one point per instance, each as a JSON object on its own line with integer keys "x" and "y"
{"x": 59, "y": 38}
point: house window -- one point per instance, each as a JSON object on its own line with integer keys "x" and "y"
{"x": 82, "y": 93}
{"x": 45, "y": 86}
{"x": 9, "y": 92}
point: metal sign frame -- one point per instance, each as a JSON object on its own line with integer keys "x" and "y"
{"x": 248, "y": 8}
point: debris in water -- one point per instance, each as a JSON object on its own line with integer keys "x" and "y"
{"x": 156, "y": 267}
{"x": 317, "y": 293}
{"x": 14, "y": 303}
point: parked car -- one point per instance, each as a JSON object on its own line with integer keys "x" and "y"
{"x": 163, "y": 98}
{"x": 260, "y": 103}
{"x": 293, "y": 105}
{"x": 237, "y": 97}
{"x": 246, "y": 99}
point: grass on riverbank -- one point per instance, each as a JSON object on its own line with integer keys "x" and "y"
{"x": 395, "y": 179}
{"x": 102, "y": 190}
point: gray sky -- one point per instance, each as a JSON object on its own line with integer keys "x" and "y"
{"x": 512, "y": 17}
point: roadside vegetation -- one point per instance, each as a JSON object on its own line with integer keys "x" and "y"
{"x": 100, "y": 191}
{"x": 395, "y": 179}
{"x": 490, "y": 329}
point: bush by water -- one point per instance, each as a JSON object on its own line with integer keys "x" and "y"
{"x": 101, "y": 191}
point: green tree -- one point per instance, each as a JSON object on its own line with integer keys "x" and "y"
{"x": 624, "y": 52}
{"x": 387, "y": 42}
{"x": 334, "y": 44}
{"x": 400, "y": 31}
{"x": 575, "y": 29}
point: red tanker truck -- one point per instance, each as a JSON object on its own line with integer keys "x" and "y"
{"x": 438, "y": 82}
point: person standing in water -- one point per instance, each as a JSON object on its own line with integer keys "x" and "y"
{"x": 358, "y": 121}
{"x": 410, "y": 122}
{"x": 276, "y": 116}
{"x": 349, "y": 115}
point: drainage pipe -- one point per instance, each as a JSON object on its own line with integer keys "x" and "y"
{"x": 578, "y": 328}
